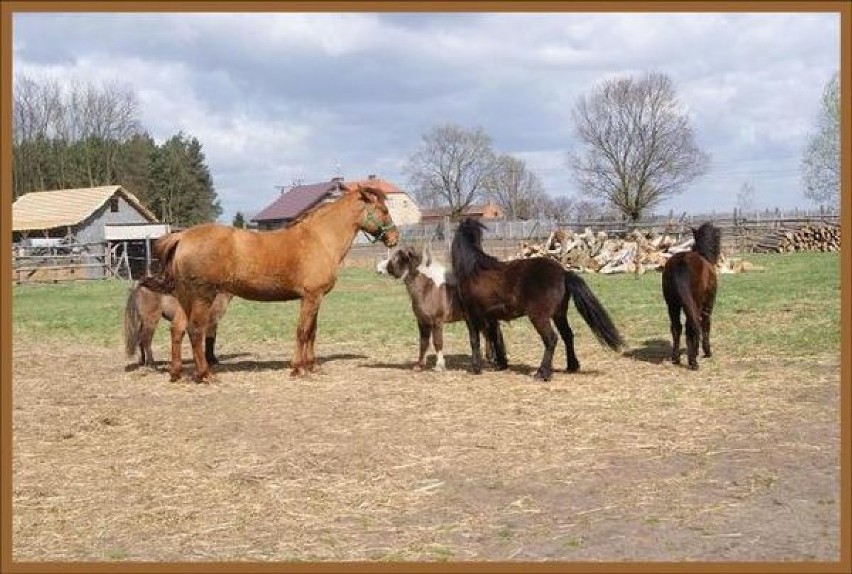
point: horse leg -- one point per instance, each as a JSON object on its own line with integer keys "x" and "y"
{"x": 198, "y": 317}
{"x": 495, "y": 348}
{"x": 310, "y": 355}
{"x": 676, "y": 330}
{"x": 438, "y": 342}
{"x": 548, "y": 337}
{"x": 692, "y": 336}
{"x": 705, "y": 323}
{"x": 210, "y": 343}
{"x": 304, "y": 343}
{"x": 475, "y": 351}
{"x": 425, "y": 331}
{"x": 572, "y": 364}
{"x": 177, "y": 331}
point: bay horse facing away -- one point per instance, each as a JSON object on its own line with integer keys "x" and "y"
{"x": 434, "y": 300}
{"x": 297, "y": 262}
{"x": 143, "y": 312}
{"x": 539, "y": 288}
{"x": 689, "y": 283}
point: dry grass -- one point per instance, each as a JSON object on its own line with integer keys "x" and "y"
{"x": 632, "y": 458}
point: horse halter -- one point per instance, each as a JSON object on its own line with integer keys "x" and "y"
{"x": 381, "y": 229}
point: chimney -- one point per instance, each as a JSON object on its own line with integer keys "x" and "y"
{"x": 372, "y": 176}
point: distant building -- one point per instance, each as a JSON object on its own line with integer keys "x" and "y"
{"x": 292, "y": 203}
{"x": 488, "y": 210}
{"x": 403, "y": 209}
{"x": 102, "y": 224}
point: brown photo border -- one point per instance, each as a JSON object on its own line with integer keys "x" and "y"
{"x": 8, "y": 8}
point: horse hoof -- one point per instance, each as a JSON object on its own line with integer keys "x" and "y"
{"x": 501, "y": 366}
{"x": 175, "y": 377}
{"x": 708, "y": 354}
{"x": 298, "y": 372}
{"x": 417, "y": 367}
{"x": 675, "y": 360}
{"x": 572, "y": 368}
{"x": 693, "y": 366}
{"x": 212, "y": 360}
{"x": 542, "y": 376}
{"x": 476, "y": 370}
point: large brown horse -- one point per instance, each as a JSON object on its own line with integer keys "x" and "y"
{"x": 689, "y": 283}
{"x": 297, "y": 262}
{"x": 492, "y": 290}
{"x": 143, "y": 312}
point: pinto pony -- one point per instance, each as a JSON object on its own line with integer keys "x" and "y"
{"x": 689, "y": 283}
{"x": 297, "y": 262}
{"x": 540, "y": 288}
{"x": 143, "y": 311}
{"x": 434, "y": 300}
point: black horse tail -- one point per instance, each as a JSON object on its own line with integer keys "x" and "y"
{"x": 165, "y": 248}
{"x": 682, "y": 280}
{"x": 592, "y": 312}
{"x": 132, "y": 323}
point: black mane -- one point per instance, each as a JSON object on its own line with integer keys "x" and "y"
{"x": 467, "y": 255}
{"x": 708, "y": 242}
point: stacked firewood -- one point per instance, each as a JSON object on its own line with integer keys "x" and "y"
{"x": 811, "y": 237}
{"x": 637, "y": 252}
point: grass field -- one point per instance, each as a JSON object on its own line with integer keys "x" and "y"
{"x": 630, "y": 459}
{"x": 791, "y": 309}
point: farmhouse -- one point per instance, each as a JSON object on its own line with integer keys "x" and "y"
{"x": 300, "y": 198}
{"x": 93, "y": 228}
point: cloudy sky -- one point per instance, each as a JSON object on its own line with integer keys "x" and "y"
{"x": 276, "y": 97}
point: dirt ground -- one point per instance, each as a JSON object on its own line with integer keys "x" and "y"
{"x": 630, "y": 459}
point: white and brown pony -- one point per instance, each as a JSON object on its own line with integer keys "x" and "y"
{"x": 434, "y": 299}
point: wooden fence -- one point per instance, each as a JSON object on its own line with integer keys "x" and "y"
{"x": 132, "y": 260}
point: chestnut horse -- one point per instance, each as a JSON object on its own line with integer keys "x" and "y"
{"x": 434, "y": 300}
{"x": 143, "y": 311}
{"x": 689, "y": 283}
{"x": 297, "y": 262}
{"x": 539, "y": 288}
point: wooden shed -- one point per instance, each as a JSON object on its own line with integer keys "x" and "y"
{"x": 79, "y": 229}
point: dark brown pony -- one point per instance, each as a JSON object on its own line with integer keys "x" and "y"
{"x": 689, "y": 283}
{"x": 143, "y": 312}
{"x": 539, "y": 288}
{"x": 297, "y": 262}
{"x": 434, "y": 300}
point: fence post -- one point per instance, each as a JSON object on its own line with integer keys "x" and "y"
{"x": 147, "y": 256}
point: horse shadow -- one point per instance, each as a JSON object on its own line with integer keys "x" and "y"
{"x": 462, "y": 363}
{"x": 656, "y": 351}
{"x": 226, "y": 365}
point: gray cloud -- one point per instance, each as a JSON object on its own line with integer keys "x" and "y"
{"x": 273, "y": 97}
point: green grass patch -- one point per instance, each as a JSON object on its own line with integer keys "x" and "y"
{"x": 792, "y": 308}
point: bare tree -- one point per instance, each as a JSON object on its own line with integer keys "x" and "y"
{"x": 745, "y": 197}
{"x": 821, "y": 160}
{"x": 557, "y": 208}
{"x": 451, "y": 167}
{"x": 638, "y": 146}
{"x": 515, "y": 189}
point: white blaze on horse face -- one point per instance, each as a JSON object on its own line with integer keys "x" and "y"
{"x": 436, "y": 272}
{"x": 382, "y": 266}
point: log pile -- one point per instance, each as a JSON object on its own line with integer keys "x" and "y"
{"x": 636, "y": 253}
{"x": 811, "y": 237}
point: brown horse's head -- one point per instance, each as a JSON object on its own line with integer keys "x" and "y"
{"x": 376, "y": 220}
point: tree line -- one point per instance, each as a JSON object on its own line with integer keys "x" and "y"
{"x": 87, "y": 135}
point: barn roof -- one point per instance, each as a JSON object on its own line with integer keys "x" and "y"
{"x": 290, "y": 204}
{"x": 49, "y": 209}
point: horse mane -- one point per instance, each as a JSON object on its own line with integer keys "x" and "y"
{"x": 708, "y": 242}
{"x": 467, "y": 254}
